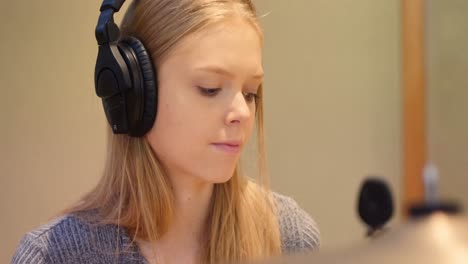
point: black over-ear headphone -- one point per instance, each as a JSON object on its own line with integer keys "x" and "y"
{"x": 124, "y": 77}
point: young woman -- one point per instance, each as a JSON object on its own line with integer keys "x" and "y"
{"x": 173, "y": 192}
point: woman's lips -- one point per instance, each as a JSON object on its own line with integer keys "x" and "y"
{"x": 227, "y": 147}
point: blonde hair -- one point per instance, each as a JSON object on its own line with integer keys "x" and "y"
{"x": 134, "y": 191}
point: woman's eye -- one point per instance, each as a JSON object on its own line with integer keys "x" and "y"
{"x": 209, "y": 91}
{"x": 250, "y": 97}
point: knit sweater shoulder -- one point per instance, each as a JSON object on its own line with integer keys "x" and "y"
{"x": 69, "y": 239}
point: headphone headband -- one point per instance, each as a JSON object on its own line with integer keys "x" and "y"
{"x": 106, "y": 30}
{"x": 114, "y": 4}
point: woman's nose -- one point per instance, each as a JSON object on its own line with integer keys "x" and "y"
{"x": 239, "y": 110}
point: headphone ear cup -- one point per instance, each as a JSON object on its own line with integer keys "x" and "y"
{"x": 111, "y": 80}
{"x": 143, "y": 107}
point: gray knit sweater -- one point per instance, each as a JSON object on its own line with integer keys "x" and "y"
{"x": 69, "y": 239}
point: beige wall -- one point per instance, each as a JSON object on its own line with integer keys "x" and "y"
{"x": 448, "y": 95}
{"x": 332, "y": 108}
{"x": 52, "y": 135}
{"x": 333, "y": 105}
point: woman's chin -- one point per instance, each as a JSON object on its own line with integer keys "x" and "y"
{"x": 222, "y": 180}
{"x": 219, "y": 178}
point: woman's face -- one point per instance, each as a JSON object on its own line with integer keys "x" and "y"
{"x": 206, "y": 108}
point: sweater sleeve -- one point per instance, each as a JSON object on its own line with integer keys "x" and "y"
{"x": 299, "y": 232}
{"x": 29, "y": 250}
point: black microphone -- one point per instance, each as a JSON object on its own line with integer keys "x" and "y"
{"x": 375, "y": 204}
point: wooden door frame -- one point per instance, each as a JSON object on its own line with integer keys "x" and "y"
{"x": 414, "y": 100}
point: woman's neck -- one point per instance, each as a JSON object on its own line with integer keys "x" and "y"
{"x": 186, "y": 233}
{"x": 191, "y": 209}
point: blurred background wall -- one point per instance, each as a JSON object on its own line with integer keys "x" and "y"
{"x": 333, "y": 108}
{"x": 52, "y": 132}
{"x": 447, "y": 54}
{"x": 333, "y": 105}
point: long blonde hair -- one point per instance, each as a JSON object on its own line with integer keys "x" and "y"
{"x": 134, "y": 191}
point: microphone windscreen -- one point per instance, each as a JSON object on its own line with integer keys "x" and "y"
{"x": 375, "y": 203}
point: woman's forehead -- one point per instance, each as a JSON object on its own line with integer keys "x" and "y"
{"x": 213, "y": 34}
{"x": 219, "y": 46}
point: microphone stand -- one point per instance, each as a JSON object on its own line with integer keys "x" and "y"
{"x": 432, "y": 203}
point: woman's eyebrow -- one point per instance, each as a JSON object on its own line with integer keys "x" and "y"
{"x": 222, "y": 71}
